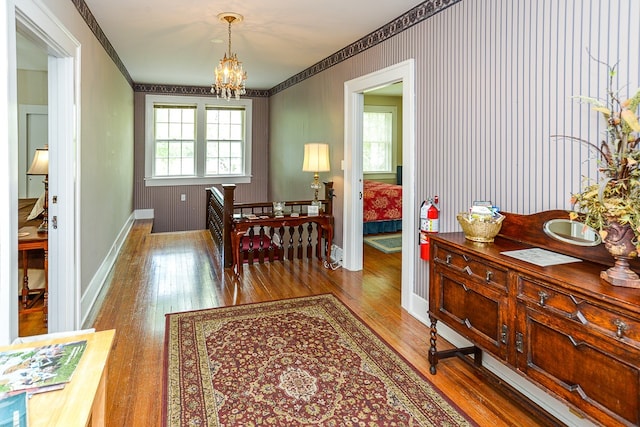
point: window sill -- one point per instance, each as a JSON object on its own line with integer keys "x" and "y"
{"x": 179, "y": 181}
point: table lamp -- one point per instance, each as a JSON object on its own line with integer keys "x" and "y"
{"x": 316, "y": 159}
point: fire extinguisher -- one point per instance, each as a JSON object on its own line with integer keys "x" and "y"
{"x": 429, "y": 223}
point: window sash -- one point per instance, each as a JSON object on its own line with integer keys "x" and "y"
{"x": 378, "y": 140}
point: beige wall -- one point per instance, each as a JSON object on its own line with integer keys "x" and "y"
{"x": 32, "y": 87}
{"x": 105, "y": 181}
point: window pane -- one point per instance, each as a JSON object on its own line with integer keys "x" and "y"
{"x": 236, "y": 165}
{"x": 162, "y": 149}
{"x": 175, "y": 149}
{"x": 162, "y": 131}
{"x": 236, "y": 149}
{"x": 187, "y": 167}
{"x": 162, "y": 167}
{"x": 235, "y": 132}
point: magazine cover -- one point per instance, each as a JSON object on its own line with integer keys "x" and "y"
{"x": 13, "y": 410}
{"x": 39, "y": 369}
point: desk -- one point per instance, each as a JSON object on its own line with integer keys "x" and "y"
{"x": 242, "y": 225}
{"x": 29, "y": 239}
{"x": 82, "y": 401}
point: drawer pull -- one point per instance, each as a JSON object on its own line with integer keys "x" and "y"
{"x": 489, "y": 276}
{"x": 465, "y": 257}
{"x": 448, "y": 259}
{"x": 519, "y": 342}
{"x": 621, "y": 327}
{"x": 467, "y": 322}
{"x": 467, "y": 270}
{"x": 543, "y": 297}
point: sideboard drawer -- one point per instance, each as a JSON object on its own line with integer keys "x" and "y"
{"x": 537, "y": 294}
{"x": 608, "y": 323}
{"x": 479, "y": 270}
{"x": 615, "y": 325}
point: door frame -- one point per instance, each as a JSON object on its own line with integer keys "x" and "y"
{"x": 31, "y": 17}
{"x": 353, "y": 186}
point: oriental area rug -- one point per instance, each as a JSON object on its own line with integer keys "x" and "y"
{"x": 296, "y": 362}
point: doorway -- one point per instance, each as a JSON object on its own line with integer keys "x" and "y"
{"x": 33, "y": 20}
{"x": 353, "y": 186}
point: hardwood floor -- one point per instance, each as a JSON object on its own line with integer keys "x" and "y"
{"x": 162, "y": 273}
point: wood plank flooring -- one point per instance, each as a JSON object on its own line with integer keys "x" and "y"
{"x": 161, "y": 273}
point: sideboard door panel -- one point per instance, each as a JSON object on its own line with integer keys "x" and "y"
{"x": 474, "y": 310}
{"x": 563, "y": 358}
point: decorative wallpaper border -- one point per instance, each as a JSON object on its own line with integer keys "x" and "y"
{"x": 190, "y": 90}
{"x": 88, "y": 17}
{"x": 418, "y": 14}
{"x": 412, "y": 17}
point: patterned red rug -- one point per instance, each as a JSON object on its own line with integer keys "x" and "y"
{"x": 303, "y": 361}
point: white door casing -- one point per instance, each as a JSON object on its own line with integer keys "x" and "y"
{"x": 354, "y": 107}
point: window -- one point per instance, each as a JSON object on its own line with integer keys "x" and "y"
{"x": 378, "y": 137}
{"x": 193, "y": 140}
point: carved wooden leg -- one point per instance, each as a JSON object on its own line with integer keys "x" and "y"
{"x": 433, "y": 352}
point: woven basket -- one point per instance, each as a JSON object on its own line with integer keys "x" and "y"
{"x": 477, "y": 230}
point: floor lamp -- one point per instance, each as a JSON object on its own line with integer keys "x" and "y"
{"x": 40, "y": 166}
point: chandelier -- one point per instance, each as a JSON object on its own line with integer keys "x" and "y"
{"x": 230, "y": 76}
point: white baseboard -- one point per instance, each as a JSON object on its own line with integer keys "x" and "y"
{"x": 90, "y": 296}
{"x": 144, "y": 213}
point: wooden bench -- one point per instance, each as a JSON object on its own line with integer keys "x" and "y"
{"x": 260, "y": 236}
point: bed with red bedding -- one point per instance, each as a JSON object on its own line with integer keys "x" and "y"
{"x": 382, "y": 211}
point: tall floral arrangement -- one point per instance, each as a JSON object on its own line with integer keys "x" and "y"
{"x": 615, "y": 196}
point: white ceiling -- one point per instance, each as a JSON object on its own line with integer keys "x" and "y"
{"x": 180, "y": 42}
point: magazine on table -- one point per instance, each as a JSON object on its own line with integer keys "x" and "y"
{"x": 39, "y": 369}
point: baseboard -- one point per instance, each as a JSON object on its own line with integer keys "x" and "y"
{"x": 144, "y": 213}
{"x": 90, "y": 296}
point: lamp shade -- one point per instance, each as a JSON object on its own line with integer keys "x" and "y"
{"x": 40, "y": 164}
{"x": 316, "y": 158}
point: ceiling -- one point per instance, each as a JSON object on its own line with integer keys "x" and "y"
{"x": 180, "y": 42}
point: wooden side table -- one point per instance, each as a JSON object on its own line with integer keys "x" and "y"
{"x": 241, "y": 226}
{"x": 82, "y": 401}
{"x": 28, "y": 240}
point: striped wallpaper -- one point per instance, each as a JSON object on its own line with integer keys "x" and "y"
{"x": 494, "y": 82}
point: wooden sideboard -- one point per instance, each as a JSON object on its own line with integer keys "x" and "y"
{"x": 559, "y": 326}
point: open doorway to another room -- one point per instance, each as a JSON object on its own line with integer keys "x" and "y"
{"x": 382, "y": 178}
{"x": 32, "y": 92}
{"x": 355, "y": 91}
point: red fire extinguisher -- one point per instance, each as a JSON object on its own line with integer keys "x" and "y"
{"x": 429, "y": 223}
